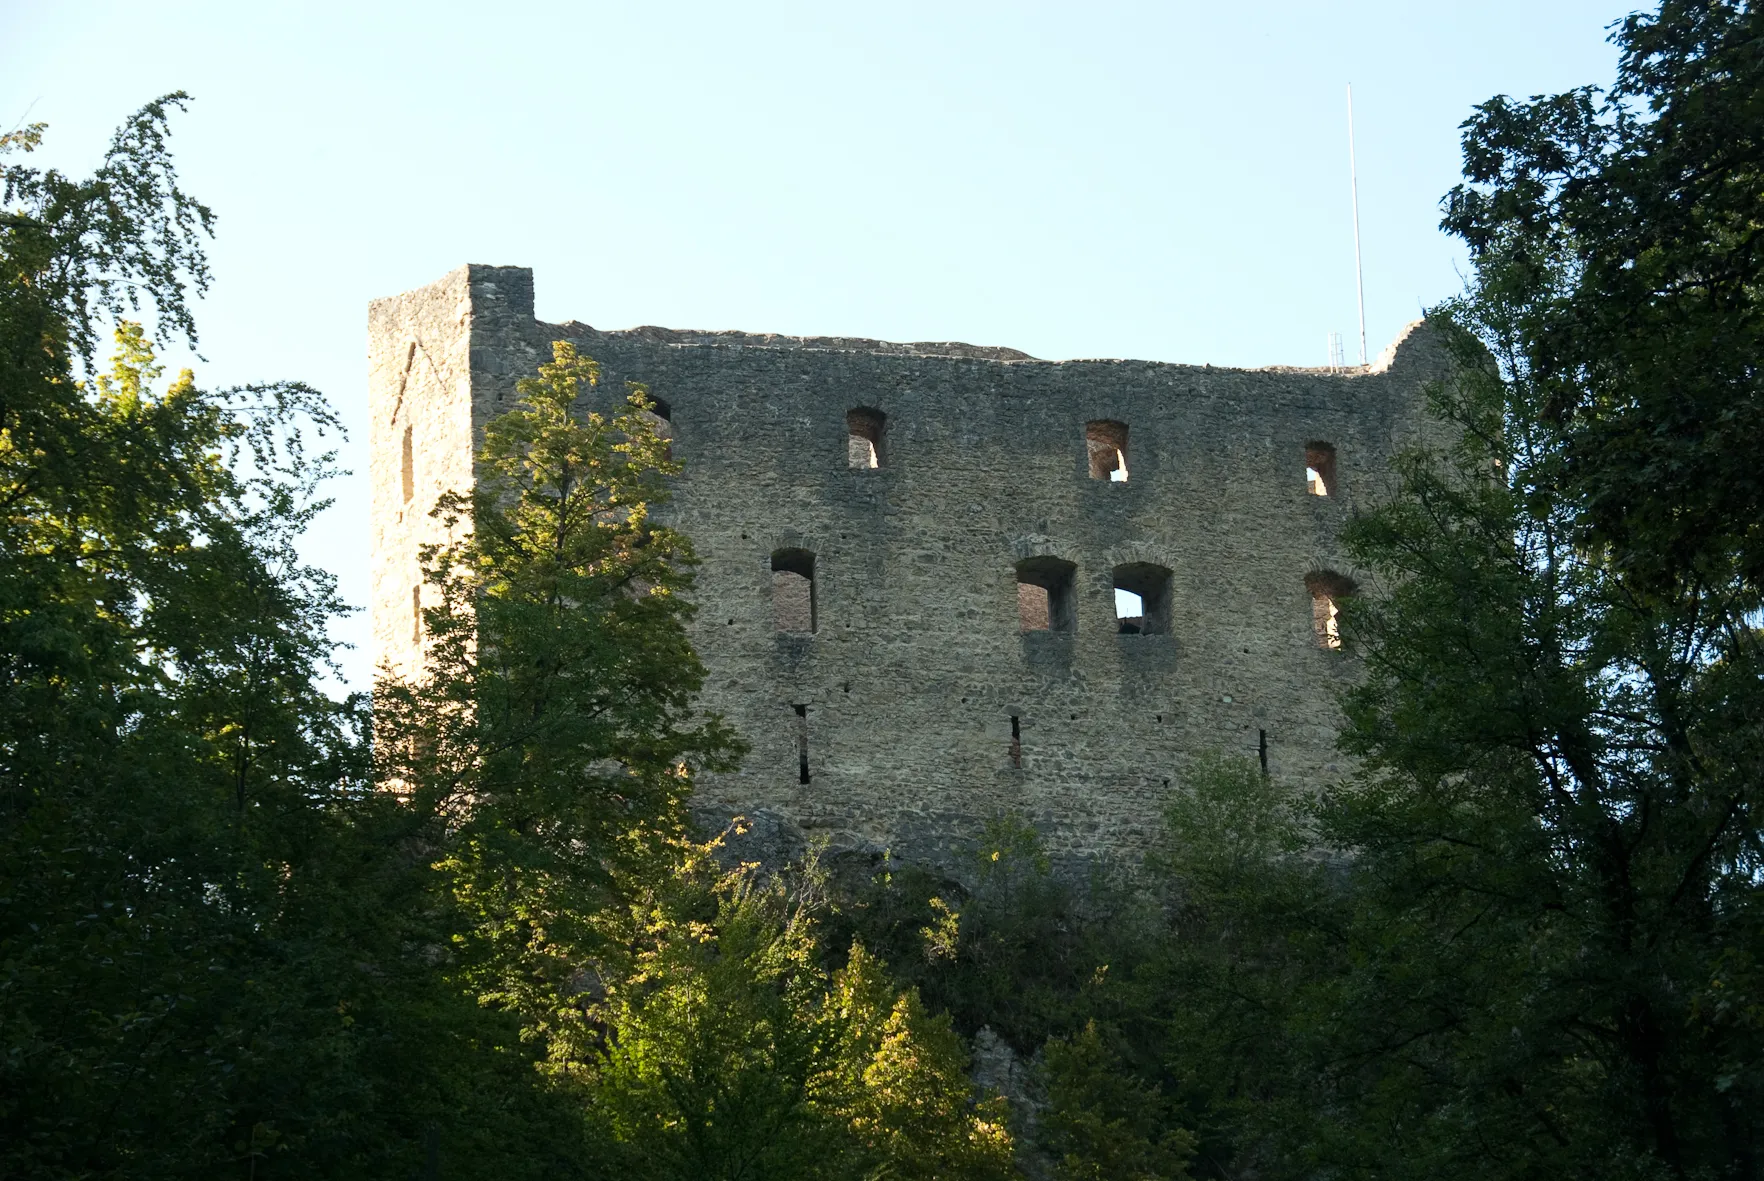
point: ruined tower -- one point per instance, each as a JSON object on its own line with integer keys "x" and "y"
{"x": 943, "y": 582}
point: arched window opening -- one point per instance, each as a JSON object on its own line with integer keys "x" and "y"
{"x": 1142, "y": 599}
{"x": 1106, "y": 443}
{"x": 1327, "y": 590}
{"x": 1046, "y": 600}
{"x": 1320, "y": 468}
{"x": 863, "y": 446}
{"x": 407, "y": 473}
{"x": 793, "y": 591}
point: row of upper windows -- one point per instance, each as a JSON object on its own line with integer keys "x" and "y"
{"x": 1105, "y": 445}
{"x": 1047, "y": 599}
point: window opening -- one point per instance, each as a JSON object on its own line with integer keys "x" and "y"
{"x": 416, "y": 614}
{"x": 1320, "y": 468}
{"x": 1327, "y": 590}
{"x": 802, "y": 770}
{"x": 408, "y": 472}
{"x": 1016, "y": 742}
{"x": 863, "y": 447}
{"x": 1045, "y": 596}
{"x": 793, "y": 591}
{"x": 1106, "y": 443}
{"x": 1142, "y": 599}
{"x": 1262, "y": 749}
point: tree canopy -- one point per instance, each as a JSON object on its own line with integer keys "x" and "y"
{"x": 204, "y": 906}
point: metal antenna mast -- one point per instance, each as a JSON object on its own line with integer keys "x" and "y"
{"x": 1354, "y": 181}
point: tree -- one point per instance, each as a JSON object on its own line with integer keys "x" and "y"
{"x": 1527, "y": 943}
{"x": 1553, "y": 889}
{"x": 1102, "y": 1122}
{"x": 730, "y": 1051}
{"x": 688, "y": 1010}
{"x": 552, "y": 733}
{"x": 1618, "y": 232}
{"x": 207, "y": 917}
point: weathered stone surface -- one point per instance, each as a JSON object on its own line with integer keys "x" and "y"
{"x": 997, "y": 1070}
{"x": 918, "y": 662}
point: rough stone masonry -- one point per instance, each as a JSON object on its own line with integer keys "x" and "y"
{"x": 943, "y": 583}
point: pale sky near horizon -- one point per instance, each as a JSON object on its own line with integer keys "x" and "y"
{"x": 1164, "y": 181}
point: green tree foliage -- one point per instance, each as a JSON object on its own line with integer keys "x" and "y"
{"x": 732, "y": 1052}
{"x": 206, "y": 916}
{"x": 1557, "y": 833}
{"x": 1102, "y": 1123}
{"x": 688, "y": 1011}
{"x": 1553, "y": 853}
{"x": 1013, "y": 945}
{"x": 1059, "y": 965}
{"x": 1535, "y": 951}
{"x": 1536, "y": 955}
{"x": 224, "y": 950}
{"x": 553, "y": 727}
{"x": 1254, "y": 917}
{"x": 1617, "y": 235}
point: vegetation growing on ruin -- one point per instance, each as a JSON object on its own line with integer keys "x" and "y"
{"x": 243, "y": 931}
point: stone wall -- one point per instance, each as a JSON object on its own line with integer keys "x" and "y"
{"x": 926, "y": 708}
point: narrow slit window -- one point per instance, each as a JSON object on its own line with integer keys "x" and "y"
{"x": 1262, "y": 749}
{"x": 863, "y": 445}
{"x": 1105, "y": 441}
{"x": 1046, "y": 598}
{"x": 793, "y": 591}
{"x": 416, "y": 614}
{"x": 1016, "y": 741}
{"x": 407, "y": 472}
{"x": 1327, "y": 590}
{"x": 1142, "y": 599}
{"x": 1320, "y": 469}
{"x": 802, "y": 766}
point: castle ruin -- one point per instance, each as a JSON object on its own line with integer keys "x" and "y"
{"x": 941, "y": 582}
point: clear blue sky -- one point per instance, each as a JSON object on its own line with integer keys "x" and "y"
{"x": 1165, "y": 181}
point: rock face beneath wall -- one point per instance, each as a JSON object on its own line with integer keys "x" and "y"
{"x": 942, "y": 583}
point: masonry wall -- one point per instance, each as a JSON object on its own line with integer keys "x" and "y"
{"x": 918, "y": 663}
